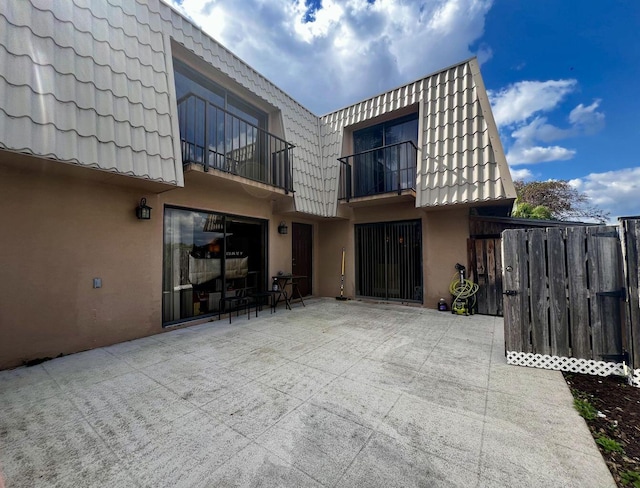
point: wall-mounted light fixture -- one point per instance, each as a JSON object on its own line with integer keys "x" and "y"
{"x": 143, "y": 212}
{"x": 282, "y": 228}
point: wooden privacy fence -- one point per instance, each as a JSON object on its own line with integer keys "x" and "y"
{"x": 630, "y": 229}
{"x": 484, "y": 255}
{"x": 571, "y": 298}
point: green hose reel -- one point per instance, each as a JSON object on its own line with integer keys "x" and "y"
{"x": 463, "y": 292}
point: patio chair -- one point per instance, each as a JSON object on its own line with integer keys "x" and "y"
{"x": 236, "y": 301}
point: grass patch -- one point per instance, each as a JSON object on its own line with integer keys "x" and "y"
{"x": 608, "y": 444}
{"x": 585, "y": 409}
{"x": 630, "y": 478}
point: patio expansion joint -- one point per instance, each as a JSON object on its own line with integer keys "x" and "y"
{"x": 349, "y": 419}
{"x": 275, "y": 453}
{"x": 384, "y": 417}
{"x": 307, "y": 352}
{"x": 112, "y": 451}
{"x": 252, "y": 442}
{"x": 425, "y": 451}
{"x": 442, "y": 335}
{"x": 364, "y": 445}
{"x": 484, "y": 416}
{"x": 374, "y": 430}
{"x": 303, "y": 400}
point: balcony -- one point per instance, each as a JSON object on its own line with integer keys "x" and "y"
{"x": 384, "y": 170}
{"x": 217, "y": 139}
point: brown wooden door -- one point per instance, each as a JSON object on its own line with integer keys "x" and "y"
{"x": 301, "y": 255}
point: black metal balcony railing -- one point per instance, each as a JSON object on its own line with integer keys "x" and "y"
{"x": 215, "y": 138}
{"x": 384, "y": 169}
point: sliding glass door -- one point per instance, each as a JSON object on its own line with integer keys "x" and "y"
{"x": 389, "y": 260}
{"x": 208, "y": 256}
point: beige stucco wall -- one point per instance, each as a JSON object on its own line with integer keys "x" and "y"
{"x": 446, "y": 233}
{"x": 444, "y": 244}
{"x": 333, "y": 236}
{"x": 61, "y": 230}
{"x": 59, "y": 233}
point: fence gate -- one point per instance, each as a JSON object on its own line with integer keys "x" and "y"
{"x": 564, "y": 295}
{"x": 485, "y": 262}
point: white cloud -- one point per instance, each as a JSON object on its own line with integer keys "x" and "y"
{"x": 326, "y": 20}
{"x": 587, "y": 119}
{"x": 348, "y": 49}
{"x": 520, "y": 101}
{"x": 613, "y": 191}
{"x": 525, "y": 148}
{"x": 519, "y": 107}
{"x": 539, "y": 130}
{"x": 521, "y": 174}
{"x": 538, "y": 154}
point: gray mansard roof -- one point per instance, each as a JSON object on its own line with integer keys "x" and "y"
{"x": 90, "y": 82}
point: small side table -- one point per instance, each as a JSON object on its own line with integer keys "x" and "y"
{"x": 277, "y": 295}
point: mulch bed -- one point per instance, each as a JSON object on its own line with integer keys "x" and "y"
{"x": 615, "y": 416}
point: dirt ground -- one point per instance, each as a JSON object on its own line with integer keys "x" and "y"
{"x": 611, "y": 408}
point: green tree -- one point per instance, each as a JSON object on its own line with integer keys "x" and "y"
{"x": 524, "y": 210}
{"x": 555, "y": 199}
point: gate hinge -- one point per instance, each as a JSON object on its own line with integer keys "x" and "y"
{"x": 619, "y": 358}
{"x": 621, "y": 293}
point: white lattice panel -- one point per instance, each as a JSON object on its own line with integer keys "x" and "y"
{"x": 573, "y": 365}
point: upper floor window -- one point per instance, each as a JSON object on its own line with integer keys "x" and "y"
{"x": 385, "y": 157}
{"x": 387, "y": 133}
{"x": 190, "y": 81}
{"x": 221, "y": 131}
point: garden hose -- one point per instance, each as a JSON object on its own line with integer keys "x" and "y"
{"x": 464, "y": 294}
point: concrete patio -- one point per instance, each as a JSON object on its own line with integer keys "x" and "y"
{"x": 341, "y": 394}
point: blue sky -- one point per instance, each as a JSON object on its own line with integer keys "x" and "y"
{"x": 563, "y": 76}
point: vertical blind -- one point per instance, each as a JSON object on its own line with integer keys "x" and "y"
{"x": 389, "y": 260}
